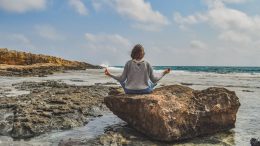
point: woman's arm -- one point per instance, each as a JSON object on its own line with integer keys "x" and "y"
{"x": 154, "y": 78}
{"x": 120, "y": 78}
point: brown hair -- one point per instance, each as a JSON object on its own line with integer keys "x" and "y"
{"x": 137, "y": 52}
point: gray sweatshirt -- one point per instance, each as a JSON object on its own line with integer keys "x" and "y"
{"x": 137, "y": 75}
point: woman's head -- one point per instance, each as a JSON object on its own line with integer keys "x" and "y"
{"x": 137, "y": 52}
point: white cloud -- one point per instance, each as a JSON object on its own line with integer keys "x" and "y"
{"x": 221, "y": 3}
{"x": 147, "y": 27}
{"x": 198, "y": 44}
{"x": 235, "y": 37}
{"x": 222, "y": 17}
{"x": 139, "y": 11}
{"x": 21, "y": 6}
{"x": 112, "y": 47}
{"x": 233, "y": 25}
{"x": 79, "y": 6}
{"x": 97, "y": 5}
{"x": 227, "y": 18}
{"x": 235, "y": 1}
{"x": 210, "y": 2}
{"x": 111, "y": 42}
{"x": 232, "y": 33}
{"x": 189, "y": 20}
{"x": 48, "y": 32}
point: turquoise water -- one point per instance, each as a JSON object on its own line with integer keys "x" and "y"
{"x": 210, "y": 69}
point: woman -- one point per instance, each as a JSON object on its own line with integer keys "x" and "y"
{"x": 138, "y": 76}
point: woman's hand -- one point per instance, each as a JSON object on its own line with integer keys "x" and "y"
{"x": 166, "y": 71}
{"x": 107, "y": 72}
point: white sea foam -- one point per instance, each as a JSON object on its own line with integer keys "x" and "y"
{"x": 115, "y": 68}
{"x": 104, "y": 65}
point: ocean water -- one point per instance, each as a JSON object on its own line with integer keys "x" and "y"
{"x": 210, "y": 69}
{"x": 245, "y": 81}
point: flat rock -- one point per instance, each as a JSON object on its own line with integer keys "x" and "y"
{"x": 50, "y": 105}
{"x": 174, "y": 113}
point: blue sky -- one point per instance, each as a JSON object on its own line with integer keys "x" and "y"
{"x": 173, "y": 32}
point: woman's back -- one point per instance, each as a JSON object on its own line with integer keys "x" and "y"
{"x": 137, "y": 76}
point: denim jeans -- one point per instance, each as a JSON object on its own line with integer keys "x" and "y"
{"x": 142, "y": 91}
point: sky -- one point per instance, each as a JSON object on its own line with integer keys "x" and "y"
{"x": 173, "y": 32}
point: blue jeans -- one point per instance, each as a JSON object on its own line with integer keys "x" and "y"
{"x": 141, "y": 91}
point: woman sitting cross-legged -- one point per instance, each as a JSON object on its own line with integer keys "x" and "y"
{"x": 138, "y": 76}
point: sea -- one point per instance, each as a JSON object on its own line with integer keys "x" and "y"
{"x": 210, "y": 69}
{"x": 245, "y": 81}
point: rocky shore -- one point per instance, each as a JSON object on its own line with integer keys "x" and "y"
{"x": 15, "y": 63}
{"x": 53, "y": 105}
{"x": 50, "y": 106}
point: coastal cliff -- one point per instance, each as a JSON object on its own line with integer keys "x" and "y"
{"x": 15, "y": 63}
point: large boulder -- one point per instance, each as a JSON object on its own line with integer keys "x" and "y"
{"x": 175, "y": 112}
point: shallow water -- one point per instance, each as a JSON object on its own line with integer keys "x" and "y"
{"x": 91, "y": 130}
{"x": 94, "y": 128}
{"x": 246, "y": 86}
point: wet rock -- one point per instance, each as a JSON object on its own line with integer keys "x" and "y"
{"x": 50, "y": 106}
{"x": 186, "y": 84}
{"x": 6, "y": 118}
{"x": 107, "y": 83}
{"x": 4, "y": 92}
{"x": 42, "y": 75}
{"x": 76, "y": 80}
{"x": 116, "y": 91}
{"x": 247, "y": 91}
{"x": 71, "y": 142}
{"x": 174, "y": 113}
{"x": 255, "y": 142}
{"x": 123, "y": 135}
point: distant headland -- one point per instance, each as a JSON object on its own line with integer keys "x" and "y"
{"x": 16, "y": 63}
